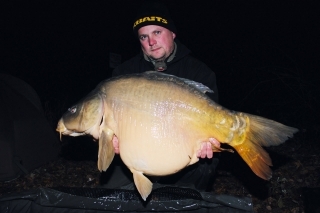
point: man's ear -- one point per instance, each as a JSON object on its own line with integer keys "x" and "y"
{"x": 173, "y": 35}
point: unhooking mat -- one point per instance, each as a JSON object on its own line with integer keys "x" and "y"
{"x": 87, "y": 200}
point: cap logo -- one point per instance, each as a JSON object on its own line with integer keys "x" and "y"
{"x": 150, "y": 18}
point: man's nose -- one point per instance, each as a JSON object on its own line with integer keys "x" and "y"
{"x": 152, "y": 41}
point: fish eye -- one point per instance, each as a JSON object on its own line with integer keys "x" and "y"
{"x": 72, "y": 109}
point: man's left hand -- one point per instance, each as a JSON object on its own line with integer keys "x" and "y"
{"x": 206, "y": 148}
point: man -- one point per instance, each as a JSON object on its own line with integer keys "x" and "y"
{"x": 162, "y": 52}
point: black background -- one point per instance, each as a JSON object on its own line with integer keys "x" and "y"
{"x": 264, "y": 53}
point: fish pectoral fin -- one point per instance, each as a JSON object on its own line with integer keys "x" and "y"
{"x": 106, "y": 151}
{"x": 143, "y": 184}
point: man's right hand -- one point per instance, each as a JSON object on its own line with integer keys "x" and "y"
{"x": 115, "y": 143}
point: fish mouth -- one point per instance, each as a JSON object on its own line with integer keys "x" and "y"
{"x": 71, "y": 133}
{"x": 61, "y": 128}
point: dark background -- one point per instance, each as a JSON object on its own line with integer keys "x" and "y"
{"x": 264, "y": 53}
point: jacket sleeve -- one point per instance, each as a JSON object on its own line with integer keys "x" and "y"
{"x": 200, "y": 72}
{"x": 118, "y": 71}
{"x": 133, "y": 65}
{"x": 208, "y": 78}
{"x": 128, "y": 67}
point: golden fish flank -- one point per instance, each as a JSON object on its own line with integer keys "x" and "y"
{"x": 161, "y": 120}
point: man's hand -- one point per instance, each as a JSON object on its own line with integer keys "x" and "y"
{"x": 115, "y": 143}
{"x": 206, "y": 148}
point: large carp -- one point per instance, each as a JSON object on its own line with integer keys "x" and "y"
{"x": 161, "y": 120}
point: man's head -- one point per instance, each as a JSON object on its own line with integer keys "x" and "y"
{"x": 156, "y": 42}
{"x": 155, "y": 30}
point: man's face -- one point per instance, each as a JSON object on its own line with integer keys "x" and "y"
{"x": 156, "y": 42}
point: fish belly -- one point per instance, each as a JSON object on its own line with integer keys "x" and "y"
{"x": 156, "y": 156}
{"x": 157, "y": 146}
{"x": 157, "y": 135}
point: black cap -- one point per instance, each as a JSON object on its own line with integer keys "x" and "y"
{"x": 153, "y": 13}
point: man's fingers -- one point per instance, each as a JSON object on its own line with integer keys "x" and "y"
{"x": 116, "y": 151}
{"x": 205, "y": 150}
{"x": 214, "y": 142}
{"x": 115, "y": 144}
{"x": 201, "y": 153}
{"x": 209, "y": 150}
{"x": 207, "y": 147}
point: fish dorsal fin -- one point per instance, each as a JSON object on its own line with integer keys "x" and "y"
{"x": 202, "y": 88}
{"x": 198, "y": 86}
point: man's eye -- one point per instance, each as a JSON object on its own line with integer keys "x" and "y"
{"x": 143, "y": 37}
{"x": 157, "y": 32}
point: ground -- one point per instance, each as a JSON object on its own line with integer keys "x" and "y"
{"x": 293, "y": 187}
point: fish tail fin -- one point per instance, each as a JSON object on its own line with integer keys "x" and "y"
{"x": 260, "y": 132}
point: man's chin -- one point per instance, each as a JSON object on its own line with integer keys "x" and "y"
{"x": 157, "y": 58}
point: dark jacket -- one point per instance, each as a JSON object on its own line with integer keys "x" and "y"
{"x": 183, "y": 65}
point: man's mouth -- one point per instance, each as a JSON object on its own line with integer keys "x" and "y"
{"x": 155, "y": 49}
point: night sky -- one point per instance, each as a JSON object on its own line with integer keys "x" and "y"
{"x": 264, "y": 53}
